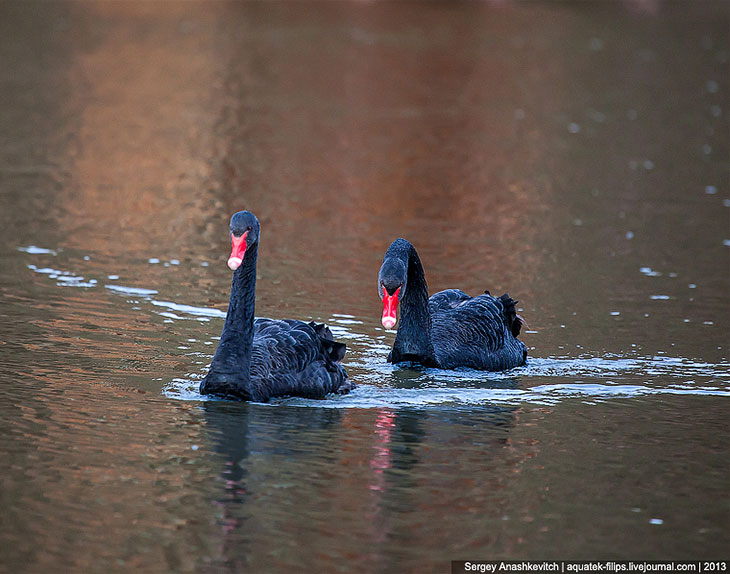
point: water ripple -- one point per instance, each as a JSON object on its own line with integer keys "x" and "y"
{"x": 589, "y": 378}
{"x": 190, "y": 310}
{"x": 380, "y": 385}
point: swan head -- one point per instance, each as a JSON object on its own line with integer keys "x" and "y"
{"x": 391, "y": 287}
{"x": 244, "y": 233}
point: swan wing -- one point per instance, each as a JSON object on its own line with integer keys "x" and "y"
{"x": 290, "y": 357}
{"x": 476, "y": 333}
{"x": 447, "y": 299}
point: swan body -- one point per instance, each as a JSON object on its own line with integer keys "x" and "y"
{"x": 450, "y": 329}
{"x": 258, "y": 359}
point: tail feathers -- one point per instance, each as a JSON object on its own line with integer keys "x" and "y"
{"x": 335, "y": 351}
{"x": 514, "y": 321}
{"x": 322, "y": 330}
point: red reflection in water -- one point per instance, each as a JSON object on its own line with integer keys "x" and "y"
{"x": 384, "y": 424}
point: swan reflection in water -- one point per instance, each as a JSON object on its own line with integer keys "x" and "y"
{"x": 279, "y": 463}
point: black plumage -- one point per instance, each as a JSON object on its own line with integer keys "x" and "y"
{"x": 450, "y": 329}
{"x": 257, "y": 358}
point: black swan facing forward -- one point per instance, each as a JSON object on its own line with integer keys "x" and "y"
{"x": 450, "y": 329}
{"x": 258, "y": 359}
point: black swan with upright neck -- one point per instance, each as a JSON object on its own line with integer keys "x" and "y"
{"x": 258, "y": 359}
{"x": 450, "y": 329}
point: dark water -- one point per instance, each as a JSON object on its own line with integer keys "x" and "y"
{"x": 573, "y": 154}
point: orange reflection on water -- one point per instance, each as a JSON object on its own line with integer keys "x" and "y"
{"x": 143, "y": 101}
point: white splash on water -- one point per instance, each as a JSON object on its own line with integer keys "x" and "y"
{"x": 138, "y": 291}
{"x": 190, "y": 310}
{"x": 381, "y": 385}
{"x": 32, "y": 249}
{"x": 64, "y": 278}
{"x": 649, "y": 272}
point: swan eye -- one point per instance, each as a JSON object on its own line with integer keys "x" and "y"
{"x": 249, "y": 228}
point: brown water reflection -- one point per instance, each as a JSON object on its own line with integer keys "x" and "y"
{"x": 368, "y": 155}
{"x": 143, "y": 129}
{"x": 573, "y": 154}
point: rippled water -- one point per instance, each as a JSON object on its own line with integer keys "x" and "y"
{"x": 530, "y": 148}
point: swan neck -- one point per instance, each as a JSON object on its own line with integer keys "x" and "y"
{"x": 414, "y": 332}
{"x": 237, "y": 335}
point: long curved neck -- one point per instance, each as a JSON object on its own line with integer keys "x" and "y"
{"x": 233, "y": 355}
{"x": 413, "y": 340}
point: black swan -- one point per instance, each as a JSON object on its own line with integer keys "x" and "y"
{"x": 258, "y": 359}
{"x": 450, "y": 329}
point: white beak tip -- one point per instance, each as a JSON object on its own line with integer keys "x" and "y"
{"x": 234, "y": 263}
{"x": 388, "y": 322}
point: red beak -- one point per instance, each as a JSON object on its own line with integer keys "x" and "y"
{"x": 238, "y": 250}
{"x": 390, "y": 306}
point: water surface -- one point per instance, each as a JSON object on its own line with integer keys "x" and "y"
{"x": 573, "y": 154}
